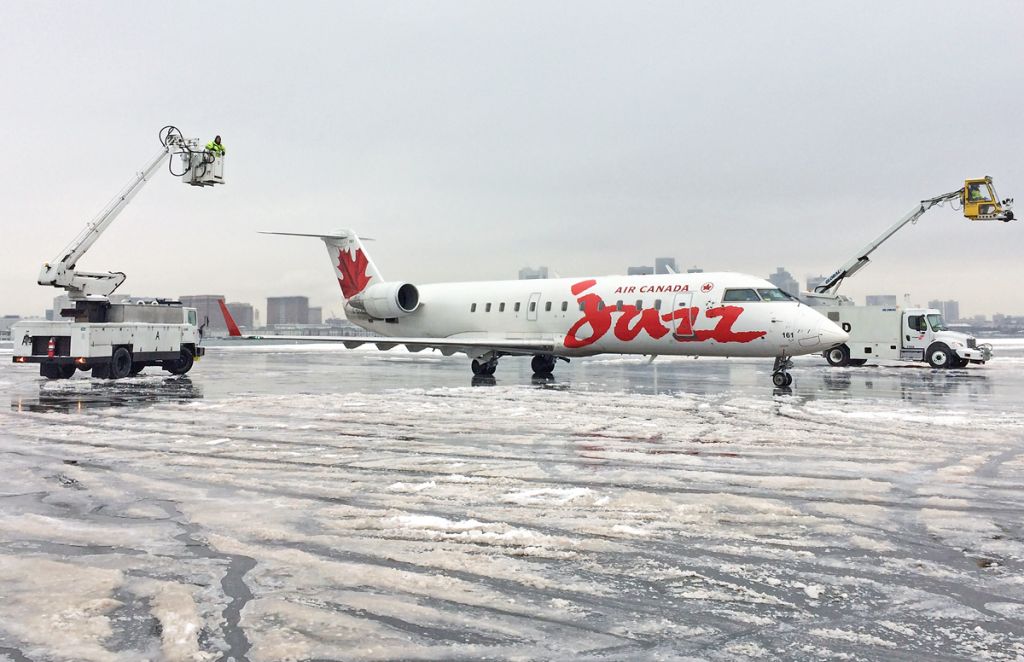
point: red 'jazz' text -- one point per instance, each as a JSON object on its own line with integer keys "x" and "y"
{"x": 633, "y": 321}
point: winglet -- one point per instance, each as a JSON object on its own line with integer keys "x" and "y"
{"x": 232, "y": 327}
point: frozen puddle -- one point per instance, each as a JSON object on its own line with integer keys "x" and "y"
{"x": 511, "y": 523}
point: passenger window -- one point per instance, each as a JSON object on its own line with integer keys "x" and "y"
{"x": 639, "y": 304}
{"x": 600, "y": 305}
{"x": 533, "y": 306}
{"x": 565, "y": 306}
{"x": 547, "y": 307}
{"x": 472, "y": 308}
{"x": 740, "y": 295}
{"x": 582, "y": 306}
{"x": 501, "y": 307}
{"x": 657, "y": 304}
{"x": 917, "y": 323}
{"x": 516, "y": 308}
{"x": 487, "y": 308}
{"x": 618, "y": 305}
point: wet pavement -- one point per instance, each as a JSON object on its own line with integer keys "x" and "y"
{"x": 312, "y": 503}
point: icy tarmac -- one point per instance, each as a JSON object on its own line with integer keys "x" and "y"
{"x": 312, "y": 503}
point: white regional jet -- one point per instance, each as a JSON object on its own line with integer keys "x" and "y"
{"x": 702, "y": 314}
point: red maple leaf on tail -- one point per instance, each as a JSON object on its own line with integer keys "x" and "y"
{"x": 352, "y": 267}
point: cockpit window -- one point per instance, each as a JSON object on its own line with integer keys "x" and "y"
{"x": 937, "y": 323}
{"x": 740, "y": 295}
{"x": 775, "y": 294}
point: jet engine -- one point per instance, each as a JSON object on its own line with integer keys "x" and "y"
{"x": 388, "y": 300}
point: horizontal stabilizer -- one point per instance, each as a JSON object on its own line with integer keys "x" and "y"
{"x": 337, "y": 234}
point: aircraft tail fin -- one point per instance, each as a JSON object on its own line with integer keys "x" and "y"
{"x": 229, "y": 320}
{"x": 352, "y": 264}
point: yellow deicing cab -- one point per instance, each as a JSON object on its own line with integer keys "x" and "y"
{"x": 981, "y": 203}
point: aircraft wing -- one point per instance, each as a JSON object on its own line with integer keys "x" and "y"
{"x": 447, "y": 346}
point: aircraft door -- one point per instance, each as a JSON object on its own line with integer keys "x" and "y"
{"x": 531, "y": 307}
{"x": 682, "y": 322}
{"x": 915, "y": 331}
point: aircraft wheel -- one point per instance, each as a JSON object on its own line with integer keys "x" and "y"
{"x": 543, "y": 365}
{"x": 838, "y": 356}
{"x": 120, "y": 363}
{"x": 939, "y": 356}
{"x": 782, "y": 379}
{"x": 477, "y": 367}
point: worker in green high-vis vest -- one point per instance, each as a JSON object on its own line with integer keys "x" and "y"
{"x": 215, "y": 147}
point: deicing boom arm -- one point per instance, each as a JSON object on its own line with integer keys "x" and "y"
{"x": 61, "y": 272}
{"x": 860, "y": 260}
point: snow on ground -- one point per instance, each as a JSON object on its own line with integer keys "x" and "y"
{"x": 305, "y": 505}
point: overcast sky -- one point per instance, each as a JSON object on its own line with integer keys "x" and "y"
{"x": 471, "y": 139}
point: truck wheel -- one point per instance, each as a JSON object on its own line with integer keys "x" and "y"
{"x": 67, "y": 371}
{"x": 858, "y": 362}
{"x": 101, "y": 371}
{"x": 939, "y": 356}
{"x": 137, "y": 368}
{"x": 120, "y": 363}
{"x": 183, "y": 364}
{"x": 838, "y": 356}
{"x": 49, "y": 370}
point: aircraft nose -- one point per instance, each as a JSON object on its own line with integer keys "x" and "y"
{"x": 830, "y": 334}
{"x": 816, "y": 333}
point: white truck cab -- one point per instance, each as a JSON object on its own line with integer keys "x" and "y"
{"x": 900, "y": 334}
{"x": 113, "y": 340}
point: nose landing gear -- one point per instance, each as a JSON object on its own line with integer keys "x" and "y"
{"x": 780, "y": 372}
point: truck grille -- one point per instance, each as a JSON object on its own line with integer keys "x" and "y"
{"x": 972, "y": 343}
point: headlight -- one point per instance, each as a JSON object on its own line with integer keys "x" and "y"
{"x": 956, "y": 343}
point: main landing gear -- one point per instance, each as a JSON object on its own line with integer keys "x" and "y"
{"x": 780, "y": 373}
{"x": 543, "y": 364}
{"x": 484, "y": 367}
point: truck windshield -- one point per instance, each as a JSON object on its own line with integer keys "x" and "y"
{"x": 935, "y": 321}
{"x": 978, "y": 193}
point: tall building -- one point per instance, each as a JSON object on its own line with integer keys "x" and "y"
{"x": 287, "y": 310}
{"x": 6, "y": 322}
{"x": 639, "y": 271}
{"x": 207, "y": 309}
{"x": 951, "y": 312}
{"x": 529, "y": 273}
{"x": 665, "y": 265}
{"x": 242, "y": 313}
{"x": 316, "y": 315}
{"x": 887, "y": 300}
{"x": 784, "y": 280}
{"x": 950, "y": 309}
